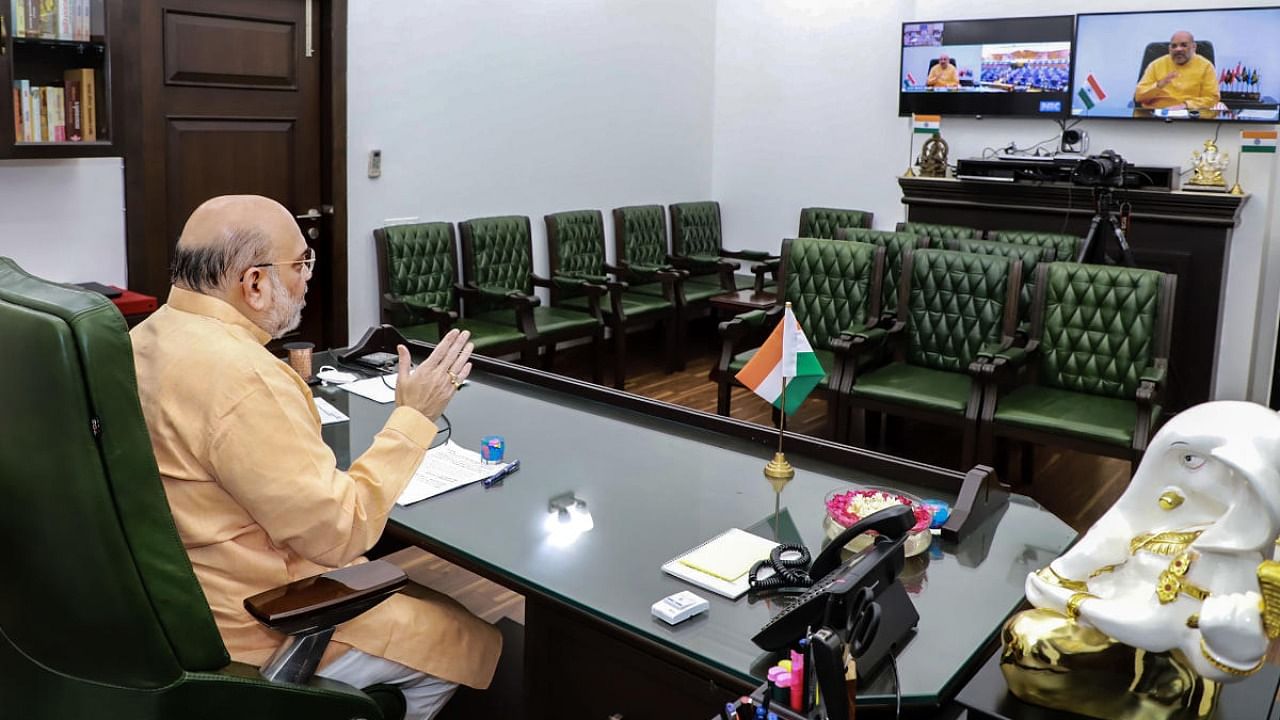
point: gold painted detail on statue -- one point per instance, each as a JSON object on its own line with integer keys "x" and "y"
{"x": 1269, "y": 584}
{"x": 1229, "y": 669}
{"x": 1049, "y": 575}
{"x": 1172, "y": 581}
{"x": 1074, "y": 602}
{"x": 1164, "y": 543}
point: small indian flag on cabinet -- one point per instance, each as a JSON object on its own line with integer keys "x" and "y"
{"x": 927, "y": 124}
{"x": 1258, "y": 141}
{"x": 1091, "y": 92}
{"x": 785, "y": 356}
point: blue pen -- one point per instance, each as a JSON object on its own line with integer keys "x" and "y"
{"x": 498, "y": 476}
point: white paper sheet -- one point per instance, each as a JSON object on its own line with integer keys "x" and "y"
{"x": 374, "y": 388}
{"x": 328, "y": 413}
{"x": 445, "y": 468}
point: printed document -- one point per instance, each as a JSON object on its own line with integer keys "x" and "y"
{"x": 445, "y": 468}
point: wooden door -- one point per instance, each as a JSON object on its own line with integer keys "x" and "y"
{"x": 232, "y": 102}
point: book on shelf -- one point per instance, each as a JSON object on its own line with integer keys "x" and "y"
{"x": 83, "y": 79}
{"x": 25, "y": 90}
{"x": 54, "y": 114}
{"x": 74, "y": 121}
{"x": 53, "y": 19}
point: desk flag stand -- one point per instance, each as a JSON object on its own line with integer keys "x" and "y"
{"x": 785, "y": 358}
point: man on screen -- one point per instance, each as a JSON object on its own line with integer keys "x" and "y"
{"x": 943, "y": 75}
{"x": 1181, "y": 80}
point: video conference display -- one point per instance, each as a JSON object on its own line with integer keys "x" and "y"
{"x": 1204, "y": 64}
{"x": 1179, "y": 65}
{"x": 1013, "y": 66}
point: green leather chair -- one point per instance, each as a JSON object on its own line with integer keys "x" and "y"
{"x": 697, "y": 244}
{"x": 575, "y": 244}
{"x": 418, "y": 281}
{"x": 819, "y": 222}
{"x": 895, "y": 245}
{"x": 1063, "y": 246}
{"x": 1029, "y": 255}
{"x": 498, "y": 282}
{"x": 101, "y": 615}
{"x": 640, "y": 245}
{"x": 952, "y": 307}
{"x": 938, "y": 234}
{"x": 834, "y": 291}
{"x": 1091, "y": 374}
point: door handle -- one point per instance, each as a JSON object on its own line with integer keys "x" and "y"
{"x": 311, "y": 214}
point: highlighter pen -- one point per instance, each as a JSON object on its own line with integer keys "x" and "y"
{"x": 498, "y": 476}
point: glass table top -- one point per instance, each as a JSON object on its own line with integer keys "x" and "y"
{"x": 655, "y": 488}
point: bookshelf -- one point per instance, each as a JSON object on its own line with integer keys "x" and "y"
{"x": 56, "y": 63}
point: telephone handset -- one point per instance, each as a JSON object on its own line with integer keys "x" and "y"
{"x": 875, "y": 568}
{"x": 377, "y": 348}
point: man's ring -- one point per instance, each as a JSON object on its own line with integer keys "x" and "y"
{"x": 453, "y": 378}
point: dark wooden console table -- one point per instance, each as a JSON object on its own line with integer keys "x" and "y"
{"x": 1185, "y": 233}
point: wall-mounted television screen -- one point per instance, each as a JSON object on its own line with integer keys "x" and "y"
{"x": 1200, "y": 64}
{"x": 1009, "y": 66}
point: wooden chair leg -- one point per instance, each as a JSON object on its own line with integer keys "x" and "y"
{"x": 549, "y": 357}
{"x": 724, "y": 396}
{"x": 874, "y": 433}
{"x": 620, "y": 357}
{"x": 529, "y": 355}
{"x": 1027, "y": 472}
{"x": 674, "y": 351}
{"x": 857, "y": 426}
{"x": 969, "y": 451}
{"x": 598, "y": 361}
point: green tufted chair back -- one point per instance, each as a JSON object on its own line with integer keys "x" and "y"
{"x": 937, "y": 234}
{"x": 1030, "y": 255}
{"x": 955, "y": 305}
{"x": 695, "y": 229}
{"x": 1099, "y": 326}
{"x": 640, "y": 233}
{"x": 895, "y": 245}
{"x": 575, "y": 244}
{"x": 829, "y": 285}
{"x": 497, "y": 256}
{"x": 418, "y": 263}
{"x": 1063, "y": 246}
{"x": 101, "y": 614}
{"x": 817, "y": 222}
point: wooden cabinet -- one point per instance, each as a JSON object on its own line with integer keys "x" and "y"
{"x": 58, "y": 62}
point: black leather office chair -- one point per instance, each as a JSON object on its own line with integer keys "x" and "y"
{"x": 1204, "y": 48}
{"x": 101, "y": 615}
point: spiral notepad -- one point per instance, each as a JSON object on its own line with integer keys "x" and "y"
{"x": 721, "y": 564}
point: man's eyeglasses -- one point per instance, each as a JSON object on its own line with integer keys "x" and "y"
{"x": 308, "y": 259}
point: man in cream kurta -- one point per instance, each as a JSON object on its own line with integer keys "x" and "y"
{"x": 254, "y": 490}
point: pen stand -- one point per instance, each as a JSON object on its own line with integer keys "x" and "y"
{"x": 783, "y": 711}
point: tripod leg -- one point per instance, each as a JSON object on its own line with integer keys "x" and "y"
{"x": 1086, "y": 247}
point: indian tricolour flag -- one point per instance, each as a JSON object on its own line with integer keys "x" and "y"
{"x": 927, "y": 124}
{"x": 785, "y": 357}
{"x": 1258, "y": 141}
{"x": 1091, "y": 93}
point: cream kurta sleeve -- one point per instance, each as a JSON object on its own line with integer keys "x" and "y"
{"x": 267, "y": 453}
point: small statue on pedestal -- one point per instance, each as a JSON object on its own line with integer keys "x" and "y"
{"x": 1209, "y": 166}
{"x": 1173, "y": 590}
{"x": 933, "y": 157}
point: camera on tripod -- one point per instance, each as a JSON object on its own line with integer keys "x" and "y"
{"x": 1106, "y": 169}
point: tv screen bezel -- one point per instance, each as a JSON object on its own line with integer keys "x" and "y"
{"x": 1065, "y": 113}
{"x": 1075, "y": 48}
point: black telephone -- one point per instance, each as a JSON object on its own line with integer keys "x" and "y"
{"x": 377, "y": 348}
{"x": 876, "y": 568}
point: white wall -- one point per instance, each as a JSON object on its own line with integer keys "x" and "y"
{"x": 64, "y": 219}
{"x": 806, "y": 114}
{"x": 522, "y": 107}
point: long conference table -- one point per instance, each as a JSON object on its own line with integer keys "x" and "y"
{"x": 657, "y": 480}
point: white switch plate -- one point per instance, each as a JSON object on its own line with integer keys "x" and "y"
{"x": 375, "y": 163}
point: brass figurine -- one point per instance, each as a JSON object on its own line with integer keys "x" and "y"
{"x": 933, "y": 157}
{"x": 1208, "y": 168}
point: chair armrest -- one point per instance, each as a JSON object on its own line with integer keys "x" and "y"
{"x": 326, "y": 600}
{"x": 753, "y": 255}
{"x": 1155, "y": 374}
{"x": 768, "y": 267}
{"x": 514, "y": 298}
